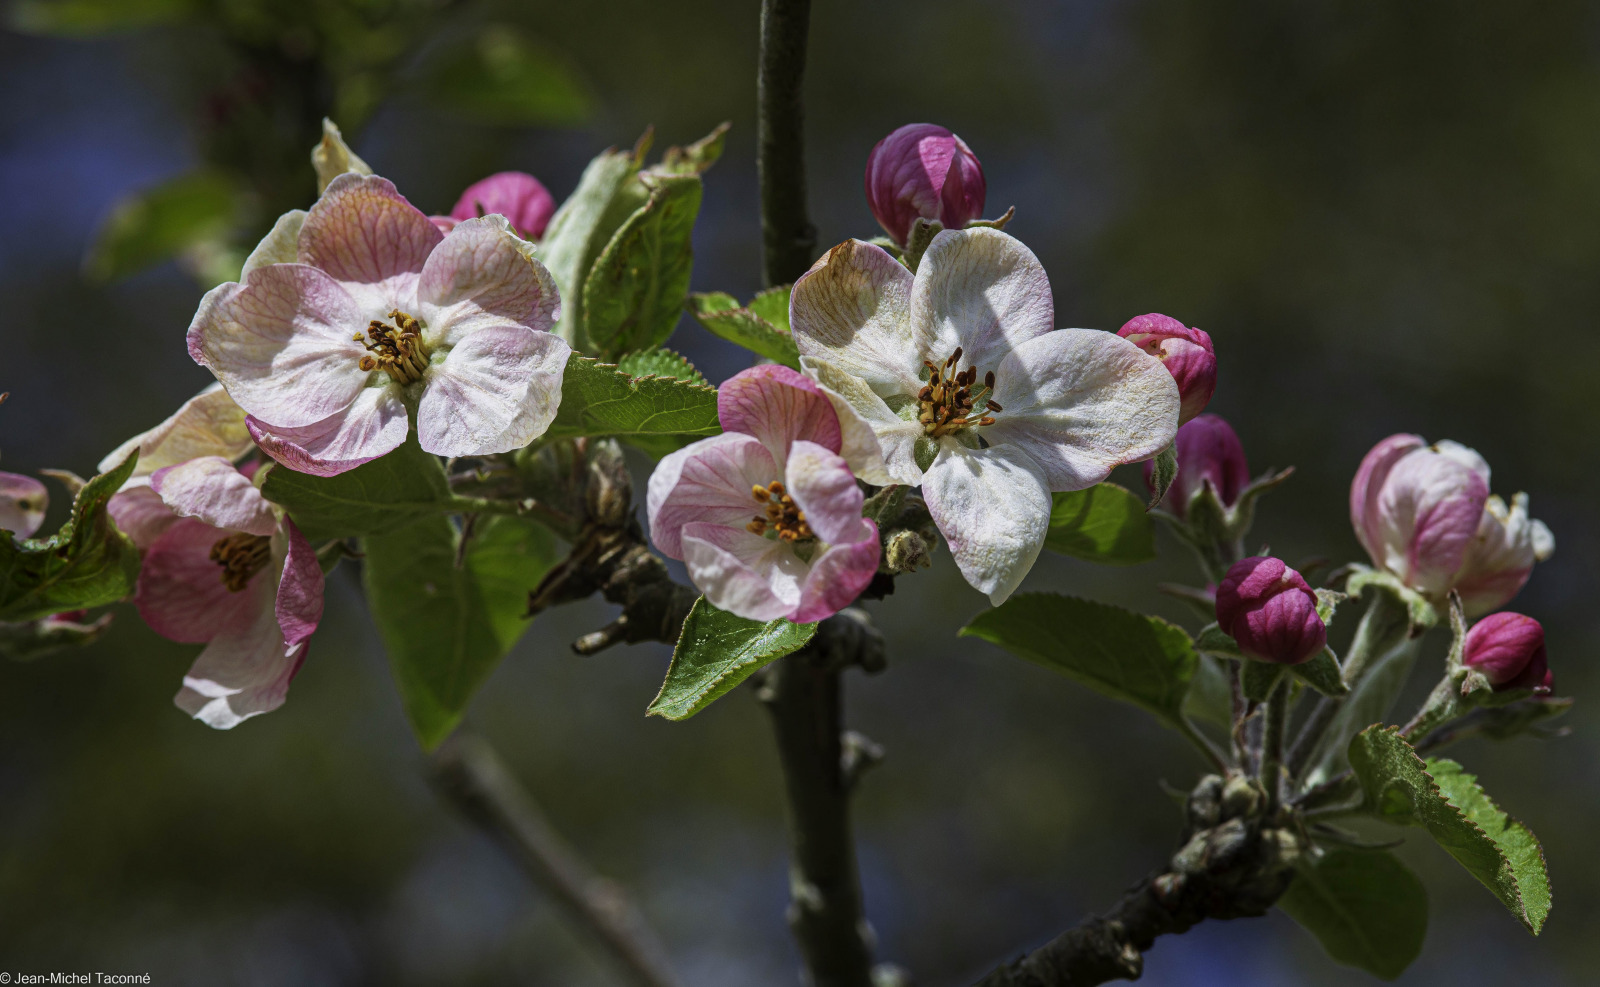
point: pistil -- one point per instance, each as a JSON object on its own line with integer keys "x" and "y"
{"x": 397, "y": 350}
{"x": 241, "y": 556}
{"x": 783, "y": 517}
{"x": 953, "y": 399}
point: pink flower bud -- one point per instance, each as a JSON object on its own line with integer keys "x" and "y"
{"x": 22, "y": 504}
{"x": 1508, "y": 649}
{"x": 516, "y": 195}
{"x": 1270, "y": 611}
{"x": 1208, "y": 452}
{"x": 1187, "y": 354}
{"x": 923, "y": 170}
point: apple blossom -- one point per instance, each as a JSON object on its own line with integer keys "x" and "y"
{"x": 1270, "y": 611}
{"x": 767, "y": 515}
{"x": 1209, "y": 452}
{"x": 223, "y": 567}
{"x": 23, "y": 501}
{"x": 923, "y": 170}
{"x": 1187, "y": 354}
{"x": 1036, "y": 409}
{"x": 375, "y": 313}
{"x": 1508, "y": 649}
{"x": 1424, "y": 513}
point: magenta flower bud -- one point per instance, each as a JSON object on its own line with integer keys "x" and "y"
{"x": 1208, "y": 452}
{"x": 1270, "y": 611}
{"x": 1187, "y": 354}
{"x": 1508, "y": 649}
{"x": 22, "y": 504}
{"x": 923, "y": 170}
{"x": 516, "y": 195}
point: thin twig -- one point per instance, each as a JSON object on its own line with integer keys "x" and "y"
{"x": 472, "y": 776}
{"x": 1272, "y": 745}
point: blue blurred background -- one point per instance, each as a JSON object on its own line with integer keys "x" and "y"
{"x": 1387, "y": 216}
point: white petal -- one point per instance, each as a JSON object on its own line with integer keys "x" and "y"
{"x": 886, "y": 455}
{"x": 209, "y": 488}
{"x": 747, "y": 575}
{"x": 374, "y": 425}
{"x": 981, "y": 290}
{"x": 279, "y": 246}
{"x": 496, "y": 391}
{"x": 993, "y": 509}
{"x": 852, "y": 310}
{"x": 484, "y": 274}
{"x": 707, "y": 481}
{"x": 208, "y": 424}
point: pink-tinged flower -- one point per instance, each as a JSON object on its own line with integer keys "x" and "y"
{"x": 1508, "y": 649}
{"x": 1187, "y": 353}
{"x": 1424, "y": 513}
{"x": 378, "y": 314}
{"x": 1270, "y": 611}
{"x": 767, "y": 515}
{"x": 971, "y": 391}
{"x": 923, "y": 170}
{"x": 1209, "y": 453}
{"x": 23, "y": 501}
{"x": 223, "y": 568}
{"x": 516, "y": 195}
{"x": 208, "y": 424}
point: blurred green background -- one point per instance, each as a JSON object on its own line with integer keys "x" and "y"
{"x": 1387, "y": 216}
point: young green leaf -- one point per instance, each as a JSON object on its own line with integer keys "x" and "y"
{"x": 660, "y": 363}
{"x": 580, "y": 229}
{"x": 1104, "y": 524}
{"x": 1259, "y": 678}
{"x": 696, "y": 158}
{"x": 87, "y": 563}
{"x": 760, "y": 332}
{"x": 634, "y": 294}
{"x": 717, "y": 651}
{"x": 1321, "y": 672}
{"x": 1164, "y": 470}
{"x": 1213, "y": 640}
{"x": 372, "y": 499}
{"x": 1368, "y": 703}
{"x": 1438, "y": 796}
{"x": 1366, "y": 908}
{"x": 161, "y": 222}
{"x": 1125, "y": 655}
{"x": 598, "y": 399}
{"x": 446, "y": 626}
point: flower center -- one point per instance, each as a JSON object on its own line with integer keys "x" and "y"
{"x": 241, "y": 556}
{"x": 786, "y": 520}
{"x": 948, "y": 399}
{"x": 397, "y": 350}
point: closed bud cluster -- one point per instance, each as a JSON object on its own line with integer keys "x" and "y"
{"x": 1187, "y": 354}
{"x": 923, "y": 171}
{"x": 1508, "y": 649}
{"x": 1270, "y": 611}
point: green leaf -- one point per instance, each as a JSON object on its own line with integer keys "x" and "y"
{"x": 721, "y": 315}
{"x": 1125, "y": 655}
{"x": 1259, "y": 678}
{"x": 598, "y": 399}
{"x": 660, "y": 363}
{"x": 87, "y": 563}
{"x": 634, "y": 294}
{"x": 162, "y": 222}
{"x": 1321, "y": 672}
{"x": 1213, "y": 640}
{"x": 1164, "y": 469}
{"x": 772, "y": 305}
{"x": 446, "y": 626}
{"x": 1421, "y": 612}
{"x": 580, "y": 228}
{"x": 1366, "y": 908}
{"x": 1437, "y": 795}
{"x": 1368, "y": 703}
{"x": 1104, "y": 524}
{"x": 504, "y": 77}
{"x": 83, "y": 18}
{"x": 373, "y": 499}
{"x": 717, "y": 651}
{"x": 696, "y": 158}
{"x": 1210, "y": 696}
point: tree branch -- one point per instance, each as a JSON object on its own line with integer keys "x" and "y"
{"x": 788, "y": 240}
{"x": 471, "y": 775}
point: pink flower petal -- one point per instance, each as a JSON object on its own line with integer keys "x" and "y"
{"x": 837, "y": 577}
{"x": 141, "y": 513}
{"x": 747, "y": 575}
{"x": 281, "y": 344}
{"x": 823, "y": 488}
{"x": 210, "y": 489}
{"x": 181, "y": 594}
{"x": 241, "y": 673}
{"x": 852, "y": 310}
{"x": 496, "y": 391}
{"x": 707, "y": 481}
{"x": 1428, "y": 511}
{"x": 484, "y": 275}
{"x": 299, "y": 603}
{"x": 1368, "y": 484}
{"x": 208, "y": 424}
{"x": 374, "y": 425}
{"x": 362, "y": 230}
{"x": 778, "y": 406}
{"x": 22, "y": 504}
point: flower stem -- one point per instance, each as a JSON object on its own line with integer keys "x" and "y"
{"x": 1272, "y": 744}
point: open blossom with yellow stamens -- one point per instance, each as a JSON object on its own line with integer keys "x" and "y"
{"x": 767, "y": 515}
{"x": 360, "y": 312}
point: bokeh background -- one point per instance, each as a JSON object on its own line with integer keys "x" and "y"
{"x": 1387, "y": 215}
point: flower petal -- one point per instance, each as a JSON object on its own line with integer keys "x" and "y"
{"x": 364, "y": 231}
{"x": 498, "y": 390}
{"x": 210, "y": 489}
{"x": 1428, "y": 514}
{"x": 706, "y": 481}
{"x": 23, "y": 500}
{"x": 981, "y": 290}
{"x": 281, "y": 344}
{"x": 374, "y": 425}
{"x": 140, "y": 513}
{"x": 1081, "y": 402}
{"x": 837, "y": 577}
{"x": 824, "y": 489}
{"x": 281, "y": 245}
{"x": 778, "y": 406}
{"x": 208, "y": 424}
{"x": 1368, "y": 484}
{"x": 747, "y": 575}
{"x": 299, "y": 603}
{"x": 483, "y": 274}
{"x": 879, "y": 445}
{"x": 181, "y": 594}
{"x": 993, "y": 508}
{"x": 853, "y": 310}
{"x": 241, "y": 674}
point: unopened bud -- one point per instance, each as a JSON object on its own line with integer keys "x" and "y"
{"x": 904, "y": 550}
{"x": 1508, "y": 650}
{"x": 1204, "y": 807}
{"x": 1209, "y": 452}
{"x": 23, "y": 501}
{"x": 1187, "y": 354}
{"x": 519, "y": 197}
{"x": 923, "y": 170}
{"x": 1241, "y": 796}
{"x": 1270, "y": 611}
